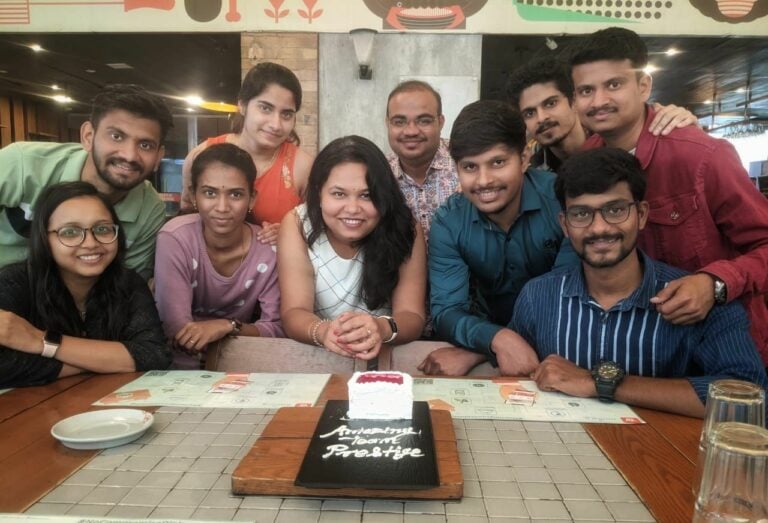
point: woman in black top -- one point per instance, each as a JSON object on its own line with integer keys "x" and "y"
{"x": 72, "y": 307}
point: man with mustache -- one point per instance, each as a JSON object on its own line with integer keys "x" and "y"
{"x": 488, "y": 241}
{"x": 420, "y": 159}
{"x": 120, "y": 146}
{"x": 705, "y": 217}
{"x": 542, "y": 90}
{"x": 595, "y": 327}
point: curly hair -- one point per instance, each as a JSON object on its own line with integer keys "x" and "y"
{"x": 391, "y": 241}
{"x": 55, "y": 307}
{"x": 542, "y": 71}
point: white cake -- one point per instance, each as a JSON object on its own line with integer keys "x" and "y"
{"x": 380, "y": 395}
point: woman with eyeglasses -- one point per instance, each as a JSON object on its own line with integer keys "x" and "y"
{"x": 269, "y": 98}
{"x": 213, "y": 278}
{"x": 72, "y": 306}
{"x": 352, "y": 259}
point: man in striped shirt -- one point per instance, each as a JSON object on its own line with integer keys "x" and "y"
{"x": 595, "y": 328}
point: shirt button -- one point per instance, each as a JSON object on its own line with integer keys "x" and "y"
{"x": 674, "y": 215}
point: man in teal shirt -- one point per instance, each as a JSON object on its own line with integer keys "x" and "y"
{"x": 120, "y": 146}
{"x": 489, "y": 241}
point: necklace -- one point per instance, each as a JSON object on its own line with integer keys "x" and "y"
{"x": 242, "y": 248}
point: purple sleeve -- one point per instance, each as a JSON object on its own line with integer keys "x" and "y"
{"x": 173, "y": 283}
{"x": 269, "y": 324}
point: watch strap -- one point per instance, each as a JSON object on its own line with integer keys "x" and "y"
{"x": 51, "y": 344}
{"x": 393, "y": 328}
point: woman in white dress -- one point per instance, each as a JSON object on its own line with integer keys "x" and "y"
{"x": 352, "y": 260}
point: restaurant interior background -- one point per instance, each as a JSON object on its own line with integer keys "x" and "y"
{"x": 45, "y": 93}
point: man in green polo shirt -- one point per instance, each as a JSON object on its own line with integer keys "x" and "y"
{"x": 120, "y": 146}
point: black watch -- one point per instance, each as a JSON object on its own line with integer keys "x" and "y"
{"x": 607, "y": 375}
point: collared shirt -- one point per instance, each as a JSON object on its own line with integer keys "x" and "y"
{"x": 705, "y": 215}
{"x": 26, "y": 168}
{"x": 440, "y": 183}
{"x": 556, "y": 315}
{"x": 476, "y": 269}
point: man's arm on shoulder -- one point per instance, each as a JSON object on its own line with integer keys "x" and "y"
{"x": 140, "y": 256}
{"x": 449, "y": 293}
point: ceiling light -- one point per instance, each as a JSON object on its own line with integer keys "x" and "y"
{"x": 190, "y": 110}
{"x": 671, "y": 51}
{"x": 36, "y": 47}
{"x": 741, "y": 90}
{"x": 3, "y": 71}
{"x": 708, "y": 102}
{"x": 650, "y": 69}
{"x": 90, "y": 71}
{"x": 119, "y": 65}
{"x": 62, "y": 99}
{"x": 193, "y": 100}
{"x": 218, "y": 106}
{"x": 55, "y": 87}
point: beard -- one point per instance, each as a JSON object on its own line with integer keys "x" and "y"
{"x": 604, "y": 263}
{"x": 117, "y": 182}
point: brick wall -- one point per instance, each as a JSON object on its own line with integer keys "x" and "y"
{"x": 298, "y": 52}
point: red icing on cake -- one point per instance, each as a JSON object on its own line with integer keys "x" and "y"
{"x": 376, "y": 378}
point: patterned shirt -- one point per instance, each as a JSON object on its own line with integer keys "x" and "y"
{"x": 556, "y": 315}
{"x": 441, "y": 182}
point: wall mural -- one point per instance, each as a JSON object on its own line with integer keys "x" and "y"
{"x": 658, "y": 17}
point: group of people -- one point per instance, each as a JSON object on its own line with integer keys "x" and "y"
{"x": 629, "y": 264}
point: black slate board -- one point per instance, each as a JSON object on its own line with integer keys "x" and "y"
{"x": 383, "y": 472}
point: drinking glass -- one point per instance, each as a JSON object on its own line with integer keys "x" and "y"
{"x": 734, "y": 484}
{"x": 728, "y": 400}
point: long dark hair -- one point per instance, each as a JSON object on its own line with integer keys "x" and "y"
{"x": 258, "y": 78}
{"x": 390, "y": 243}
{"x": 54, "y": 306}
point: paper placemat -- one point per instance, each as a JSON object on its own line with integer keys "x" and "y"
{"x": 218, "y": 390}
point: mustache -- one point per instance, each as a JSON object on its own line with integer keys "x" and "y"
{"x": 546, "y": 125}
{"x": 604, "y": 237}
{"x": 134, "y": 165}
{"x": 489, "y": 188}
{"x": 602, "y": 108}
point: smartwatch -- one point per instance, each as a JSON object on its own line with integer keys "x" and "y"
{"x": 393, "y": 328}
{"x": 607, "y": 376}
{"x": 721, "y": 292}
{"x": 51, "y": 343}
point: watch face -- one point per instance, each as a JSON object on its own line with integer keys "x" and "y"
{"x": 608, "y": 370}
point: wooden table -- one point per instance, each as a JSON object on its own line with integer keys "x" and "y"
{"x": 657, "y": 459}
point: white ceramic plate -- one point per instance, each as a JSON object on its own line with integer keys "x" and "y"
{"x": 102, "y": 429}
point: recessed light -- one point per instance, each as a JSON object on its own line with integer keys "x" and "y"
{"x": 55, "y": 87}
{"x": 190, "y": 110}
{"x": 62, "y": 99}
{"x": 90, "y": 71}
{"x": 672, "y": 51}
{"x": 741, "y": 90}
{"x": 650, "y": 69}
{"x": 193, "y": 99}
{"x": 36, "y": 47}
{"x": 120, "y": 65}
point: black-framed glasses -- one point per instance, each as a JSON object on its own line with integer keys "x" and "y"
{"x": 613, "y": 213}
{"x": 422, "y": 122}
{"x": 72, "y": 235}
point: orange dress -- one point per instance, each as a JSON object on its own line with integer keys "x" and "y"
{"x": 275, "y": 190}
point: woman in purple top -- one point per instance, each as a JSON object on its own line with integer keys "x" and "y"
{"x": 212, "y": 277}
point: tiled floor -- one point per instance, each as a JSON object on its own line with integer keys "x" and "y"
{"x": 513, "y": 472}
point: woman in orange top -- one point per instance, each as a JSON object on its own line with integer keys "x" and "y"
{"x": 269, "y": 98}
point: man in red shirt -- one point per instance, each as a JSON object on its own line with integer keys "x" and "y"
{"x": 705, "y": 215}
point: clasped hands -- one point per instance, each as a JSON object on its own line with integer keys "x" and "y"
{"x": 353, "y": 335}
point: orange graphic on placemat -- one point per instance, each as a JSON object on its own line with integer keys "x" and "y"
{"x": 129, "y": 395}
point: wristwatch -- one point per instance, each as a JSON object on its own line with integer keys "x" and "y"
{"x": 721, "y": 292}
{"x": 607, "y": 375}
{"x": 51, "y": 344}
{"x": 393, "y": 328}
{"x": 236, "y": 326}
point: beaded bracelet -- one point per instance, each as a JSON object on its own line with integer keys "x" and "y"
{"x": 313, "y": 328}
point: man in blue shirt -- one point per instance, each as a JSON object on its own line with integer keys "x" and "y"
{"x": 596, "y": 328}
{"x": 488, "y": 241}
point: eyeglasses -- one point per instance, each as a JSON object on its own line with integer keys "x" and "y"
{"x": 613, "y": 213}
{"x": 72, "y": 235}
{"x": 421, "y": 122}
